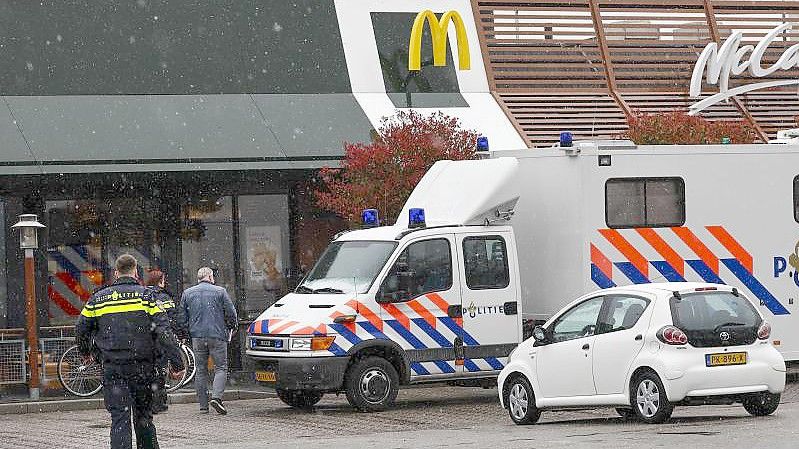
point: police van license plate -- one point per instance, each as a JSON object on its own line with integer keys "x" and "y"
{"x": 265, "y": 376}
{"x": 727, "y": 358}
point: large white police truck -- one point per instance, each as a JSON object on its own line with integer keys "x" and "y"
{"x": 483, "y": 249}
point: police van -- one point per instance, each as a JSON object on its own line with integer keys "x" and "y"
{"x": 484, "y": 249}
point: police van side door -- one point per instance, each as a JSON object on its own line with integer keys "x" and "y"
{"x": 491, "y": 319}
{"x": 416, "y": 297}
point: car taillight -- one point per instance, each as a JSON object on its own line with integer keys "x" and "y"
{"x": 764, "y": 331}
{"x": 672, "y": 335}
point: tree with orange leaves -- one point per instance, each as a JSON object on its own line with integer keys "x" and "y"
{"x": 381, "y": 174}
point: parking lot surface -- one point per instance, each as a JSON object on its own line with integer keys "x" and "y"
{"x": 440, "y": 417}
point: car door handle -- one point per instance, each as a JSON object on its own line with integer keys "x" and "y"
{"x": 639, "y": 337}
{"x": 586, "y": 346}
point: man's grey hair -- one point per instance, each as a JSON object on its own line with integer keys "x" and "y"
{"x": 204, "y": 273}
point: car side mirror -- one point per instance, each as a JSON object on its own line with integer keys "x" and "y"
{"x": 382, "y": 298}
{"x": 540, "y": 335}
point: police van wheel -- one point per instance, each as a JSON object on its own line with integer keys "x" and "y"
{"x": 303, "y": 399}
{"x": 371, "y": 384}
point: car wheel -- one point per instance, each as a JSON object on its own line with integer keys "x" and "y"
{"x": 371, "y": 384}
{"x": 303, "y": 399}
{"x": 520, "y": 401}
{"x": 625, "y": 412}
{"x": 648, "y": 399}
{"x": 761, "y": 404}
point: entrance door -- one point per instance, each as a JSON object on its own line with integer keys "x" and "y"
{"x": 565, "y": 366}
{"x": 491, "y": 323}
{"x": 207, "y": 239}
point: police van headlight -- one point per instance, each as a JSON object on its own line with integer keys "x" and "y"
{"x": 318, "y": 343}
{"x": 300, "y": 344}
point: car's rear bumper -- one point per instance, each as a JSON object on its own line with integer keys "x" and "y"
{"x": 764, "y": 371}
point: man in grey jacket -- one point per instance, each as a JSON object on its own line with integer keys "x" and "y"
{"x": 210, "y": 317}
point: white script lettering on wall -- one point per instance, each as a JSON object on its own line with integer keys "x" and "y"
{"x": 732, "y": 59}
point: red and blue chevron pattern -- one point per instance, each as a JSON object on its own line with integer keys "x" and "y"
{"x": 709, "y": 254}
{"x": 422, "y": 323}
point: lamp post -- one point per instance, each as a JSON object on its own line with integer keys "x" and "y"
{"x": 28, "y": 240}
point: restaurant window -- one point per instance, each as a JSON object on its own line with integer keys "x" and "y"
{"x": 75, "y": 263}
{"x": 207, "y": 240}
{"x": 644, "y": 202}
{"x": 84, "y": 238}
{"x": 264, "y": 243}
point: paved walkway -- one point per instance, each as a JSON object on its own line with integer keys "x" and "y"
{"x": 424, "y": 417}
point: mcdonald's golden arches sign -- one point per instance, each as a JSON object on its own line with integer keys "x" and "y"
{"x": 438, "y": 30}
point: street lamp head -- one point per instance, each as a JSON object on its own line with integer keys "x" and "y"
{"x": 28, "y": 225}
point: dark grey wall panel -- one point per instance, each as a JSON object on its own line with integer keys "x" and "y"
{"x": 315, "y": 125}
{"x": 90, "y": 47}
{"x": 90, "y": 128}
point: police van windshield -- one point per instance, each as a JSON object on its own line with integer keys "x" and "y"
{"x": 347, "y": 267}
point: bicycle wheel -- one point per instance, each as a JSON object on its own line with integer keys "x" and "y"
{"x": 79, "y": 378}
{"x": 191, "y": 368}
{"x": 173, "y": 384}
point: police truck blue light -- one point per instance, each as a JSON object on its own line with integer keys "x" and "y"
{"x": 566, "y": 139}
{"x": 482, "y": 143}
{"x": 416, "y": 218}
{"x": 370, "y": 218}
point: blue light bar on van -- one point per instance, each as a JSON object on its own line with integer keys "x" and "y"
{"x": 566, "y": 139}
{"x": 416, "y": 218}
{"x": 369, "y": 218}
{"x": 482, "y": 143}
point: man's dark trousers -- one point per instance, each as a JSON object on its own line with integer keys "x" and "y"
{"x": 129, "y": 388}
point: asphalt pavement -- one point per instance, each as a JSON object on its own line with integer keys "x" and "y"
{"x": 439, "y": 417}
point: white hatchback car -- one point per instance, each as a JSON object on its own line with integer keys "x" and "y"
{"x": 644, "y": 349}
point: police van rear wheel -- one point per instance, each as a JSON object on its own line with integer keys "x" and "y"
{"x": 371, "y": 384}
{"x": 303, "y": 399}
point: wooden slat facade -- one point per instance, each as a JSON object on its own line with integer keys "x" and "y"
{"x": 584, "y": 65}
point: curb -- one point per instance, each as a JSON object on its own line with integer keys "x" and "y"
{"x": 67, "y": 405}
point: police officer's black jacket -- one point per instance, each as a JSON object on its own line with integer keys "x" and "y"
{"x": 166, "y": 303}
{"x": 126, "y": 325}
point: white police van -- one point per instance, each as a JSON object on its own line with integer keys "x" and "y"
{"x": 441, "y": 295}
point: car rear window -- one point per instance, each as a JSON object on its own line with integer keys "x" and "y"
{"x": 715, "y": 318}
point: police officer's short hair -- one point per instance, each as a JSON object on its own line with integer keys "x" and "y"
{"x": 125, "y": 264}
{"x": 204, "y": 272}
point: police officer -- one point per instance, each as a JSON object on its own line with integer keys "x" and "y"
{"x": 155, "y": 280}
{"x": 124, "y": 323}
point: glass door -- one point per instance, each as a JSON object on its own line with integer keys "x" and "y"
{"x": 264, "y": 258}
{"x": 207, "y": 239}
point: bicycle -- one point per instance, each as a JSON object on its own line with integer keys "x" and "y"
{"x": 84, "y": 379}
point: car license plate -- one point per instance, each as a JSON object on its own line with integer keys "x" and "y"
{"x": 727, "y": 358}
{"x": 266, "y": 376}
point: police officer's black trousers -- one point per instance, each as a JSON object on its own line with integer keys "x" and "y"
{"x": 129, "y": 389}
